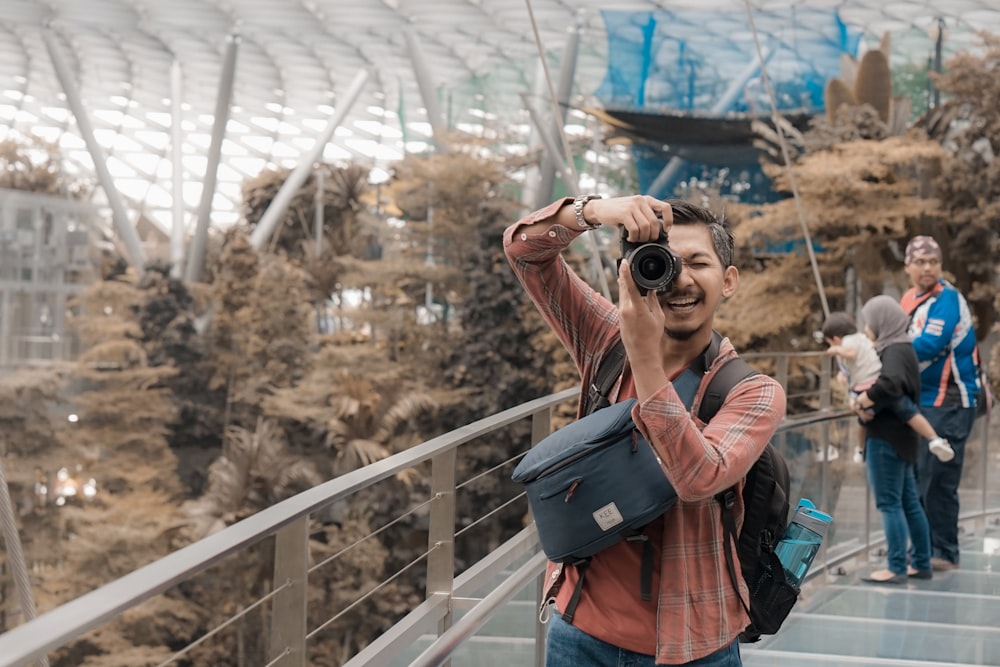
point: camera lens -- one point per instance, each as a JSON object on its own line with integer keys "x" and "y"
{"x": 652, "y": 268}
{"x": 655, "y": 267}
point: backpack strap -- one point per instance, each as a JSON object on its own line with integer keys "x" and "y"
{"x": 731, "y": 374}
{"x": 727, "y": 499}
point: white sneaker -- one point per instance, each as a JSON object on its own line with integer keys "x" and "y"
{"x": 832, "y": 454}
{"x": 940, "y": 448}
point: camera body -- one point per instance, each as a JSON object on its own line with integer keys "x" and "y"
{"x": 653, "y": 265}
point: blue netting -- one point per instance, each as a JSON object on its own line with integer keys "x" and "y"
{"x": 706, "y": 63}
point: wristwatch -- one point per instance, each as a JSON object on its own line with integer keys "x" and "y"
{"x": 578, "y": 203}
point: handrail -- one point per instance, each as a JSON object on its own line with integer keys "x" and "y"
{"x": 53, "y": 629}
{"x": 442, "y": 648}
{"x": 288, "y": 519}
{"x": 455, "y": 636}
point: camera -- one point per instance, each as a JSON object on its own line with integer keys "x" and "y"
{"x": 653, "y": 265}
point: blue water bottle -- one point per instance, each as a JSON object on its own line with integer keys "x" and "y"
{"x": 803, "y": 537}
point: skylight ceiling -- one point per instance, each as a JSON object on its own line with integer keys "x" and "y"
{"x": 294, "y": 59}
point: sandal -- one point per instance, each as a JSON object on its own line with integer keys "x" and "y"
{"x": 885, "y": 577}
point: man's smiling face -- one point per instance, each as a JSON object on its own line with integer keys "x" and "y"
{"x": 690, "y": 304}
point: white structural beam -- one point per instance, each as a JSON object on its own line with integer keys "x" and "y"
{"x": 196, "y": 258}
{"x": 427, "y": 93}
{"x": 276, "y": 210}
{"x": 118, "y": 213}
{"x": 177, "y": 169}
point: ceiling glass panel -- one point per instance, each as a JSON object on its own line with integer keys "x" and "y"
{"x": 295, "y": 61}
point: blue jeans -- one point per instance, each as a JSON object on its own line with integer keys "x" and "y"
{"x": 938, "y": 482}
{"x": 894, "y": 485}
{"x": 568, "y": 646}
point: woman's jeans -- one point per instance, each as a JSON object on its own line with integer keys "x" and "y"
{"x": 894, "y": 485}
{"x": 568, "y": 646}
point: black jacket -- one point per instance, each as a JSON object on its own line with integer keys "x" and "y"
{"x": 900, "y": 376}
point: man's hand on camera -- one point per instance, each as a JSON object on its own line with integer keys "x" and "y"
{"x": 642, "y": 320}
{"x": 637, "y": 213}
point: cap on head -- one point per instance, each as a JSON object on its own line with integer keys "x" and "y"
{"x": 921, "y": 245}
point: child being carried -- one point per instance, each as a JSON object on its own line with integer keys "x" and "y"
{"x": 860, "y": 367}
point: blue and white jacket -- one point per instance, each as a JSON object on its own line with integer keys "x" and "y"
{"x": 945, "y": 342}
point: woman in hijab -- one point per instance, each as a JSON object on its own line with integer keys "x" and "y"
{"x": 891, "y": 445}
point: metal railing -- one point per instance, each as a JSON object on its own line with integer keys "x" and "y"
{"x": 288, "y": 522}
{"x": 446, "y": 593}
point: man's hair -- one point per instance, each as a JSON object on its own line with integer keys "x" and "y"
{"x": 839, "y": 324}
{"x": 686, "y": 213}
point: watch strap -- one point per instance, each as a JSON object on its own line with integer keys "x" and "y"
{"x": 578, "y": 203}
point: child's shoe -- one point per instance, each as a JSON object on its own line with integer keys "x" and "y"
{"x": 940, "y": 448}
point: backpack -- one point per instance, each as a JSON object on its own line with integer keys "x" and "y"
{"x": 765, "y": 498}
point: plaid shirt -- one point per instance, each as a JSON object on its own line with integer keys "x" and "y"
{"x": 696, "y": 611}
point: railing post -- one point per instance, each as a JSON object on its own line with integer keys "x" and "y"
{"x": 288, "y": 609}
{"x": 441, "y": 532}
{"x": 824, "y": 404}
{"x": 541, "y": 426}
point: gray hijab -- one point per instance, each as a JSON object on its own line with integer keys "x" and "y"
{"x": 887, "y": 320}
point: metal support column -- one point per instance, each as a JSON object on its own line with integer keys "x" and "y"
{"x": 196, "y": 256}
{"x": 177, "y": 170}
{"x": 120, "y": 216}
{"x": 541, "y": 426}
{"x": 272, "y": 216}
{"x": 441, "y": 532}
{"x": 288, "y": 612}
{"x": 427, "y": 92}
{"x": 567, "y": 73}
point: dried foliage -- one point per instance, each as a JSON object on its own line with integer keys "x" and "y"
{"x": 864, "y": 194}
{"x": 968, "y": 184}
{"x": 28, "y": 416}
{"x": 37, "y": 167}
{"x": 120, "y": 440}
{"x": 861, "y": 200}
{"x": 261, "y": 328}
{"x": 254, "y": 472}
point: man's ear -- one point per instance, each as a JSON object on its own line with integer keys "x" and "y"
{"x": 730, "y": 280}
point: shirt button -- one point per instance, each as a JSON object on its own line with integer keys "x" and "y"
{"x": 552, "y": 233}
{"x": 524, "y": 237}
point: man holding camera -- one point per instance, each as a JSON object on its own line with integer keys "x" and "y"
{"x": 695, "y": 616}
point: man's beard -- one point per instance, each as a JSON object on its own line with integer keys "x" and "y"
{"x": 680, "y": 334}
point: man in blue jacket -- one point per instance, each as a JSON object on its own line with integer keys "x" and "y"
{"x": 945, "y": 342}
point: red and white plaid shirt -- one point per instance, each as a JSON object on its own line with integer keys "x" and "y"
{"x": 696, "y": 611}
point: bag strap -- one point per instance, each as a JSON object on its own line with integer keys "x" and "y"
{"x": 611, "y": 365}
{"x": 609, "y": 368}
